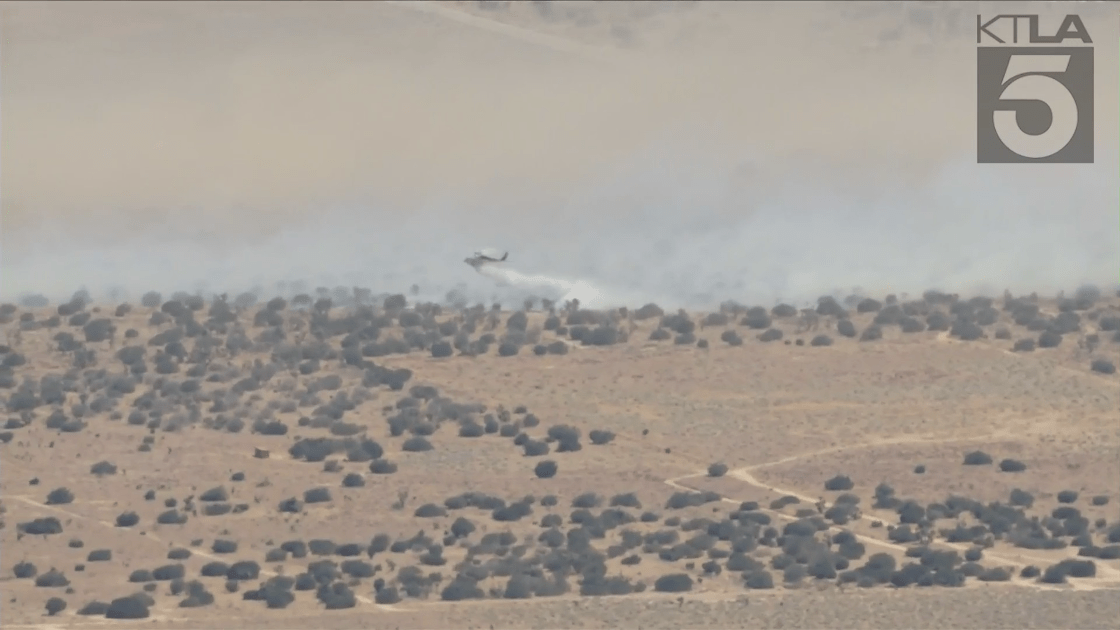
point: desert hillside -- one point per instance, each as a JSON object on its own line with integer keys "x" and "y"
{"x": 187, "y": 459}
{"x": 769, "y": 348}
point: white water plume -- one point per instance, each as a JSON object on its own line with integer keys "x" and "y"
{"x": 557, "y": 289}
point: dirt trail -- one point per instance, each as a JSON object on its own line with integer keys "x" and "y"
{"x": 552, "y": 42}
{"x": 265, "y": 573}
{"x": 1107, "y": 576}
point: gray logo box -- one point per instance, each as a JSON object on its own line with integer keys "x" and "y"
{"x": 1034, "y": 104}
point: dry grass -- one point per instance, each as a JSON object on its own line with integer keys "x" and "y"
{"x": 783, "y": 418}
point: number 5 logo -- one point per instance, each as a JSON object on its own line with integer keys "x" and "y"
{"x": 1027, "y": 79}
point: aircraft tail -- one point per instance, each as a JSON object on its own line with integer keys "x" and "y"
{"x": 504, "y": 256}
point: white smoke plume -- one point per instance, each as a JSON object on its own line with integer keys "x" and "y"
{"x": 209, "y": 150}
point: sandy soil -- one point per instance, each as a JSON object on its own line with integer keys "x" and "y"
{"x": 673, "y": 410}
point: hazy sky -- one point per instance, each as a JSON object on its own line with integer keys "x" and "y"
{"x": 763, "y": 153}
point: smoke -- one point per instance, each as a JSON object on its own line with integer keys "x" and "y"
{"x": 221, "y": 154}
{"x": 977, "y": 232}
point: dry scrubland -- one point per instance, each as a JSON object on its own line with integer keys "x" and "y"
{"x": 202, "y": 462}
{"x": 343, "y": 459}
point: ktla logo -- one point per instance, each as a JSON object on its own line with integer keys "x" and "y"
{"x": 1034, "y": 92}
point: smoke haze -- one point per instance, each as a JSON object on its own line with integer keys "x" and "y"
{"x": 683, "y": 153}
